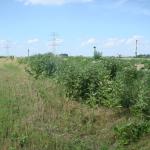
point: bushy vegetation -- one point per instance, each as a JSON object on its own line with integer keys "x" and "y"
{"x": 99, "y": 81}
{"x": 132, "y": 131}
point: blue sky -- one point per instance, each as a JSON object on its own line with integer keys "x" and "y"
{"x": 112, "y": 25}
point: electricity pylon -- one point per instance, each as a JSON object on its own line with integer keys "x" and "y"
{"x": 54, "y": 43}
{"x": 7, "y": 47}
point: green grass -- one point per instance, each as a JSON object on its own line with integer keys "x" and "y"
{"x": 35, "y": 115}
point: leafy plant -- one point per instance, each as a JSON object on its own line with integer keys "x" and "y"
{"x": 132, "y": 131}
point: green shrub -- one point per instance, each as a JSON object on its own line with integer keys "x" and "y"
{"x": 49, "y": 68}
{"x": 113, "y": 66}
{"x": 142, "y": 106}
{"x": 108, "y": 82}
{"x": 132, "y": 131}
{"x": 42, "y": 65}
{"x": 129, "y": 86}
{"x": 85, "y": 83}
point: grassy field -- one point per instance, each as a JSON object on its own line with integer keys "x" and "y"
{"x": 35, "y": 115}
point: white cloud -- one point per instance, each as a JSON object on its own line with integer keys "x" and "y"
{"x": 145, "y": 12}
{"x": 4, "y": 41}
{"x": 7, "y": 43}
{"x": 113, "y": 42}
{"x": 32, "y": 41}
{"x": 114, "y": 4}
{"x": 122, "y": 42}
{"x": 141, "y": 11}
{"x": 52, "y": 2}
{"x": 118, "y": 45}
{"x": 2, "y": 44}
{"x": 90, "y": 41}
{"x": 131, "y": 41}
{"x": 121, "y": 2}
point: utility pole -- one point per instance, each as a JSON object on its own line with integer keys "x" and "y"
{"x": 28, "y": 52}
{"x": 136, "y": 48}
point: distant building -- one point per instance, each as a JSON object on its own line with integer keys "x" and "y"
{"x": 63, "y": 55}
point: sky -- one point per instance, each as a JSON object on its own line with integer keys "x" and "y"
{"x": 113, "y": 26}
